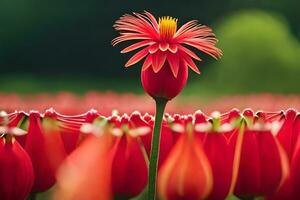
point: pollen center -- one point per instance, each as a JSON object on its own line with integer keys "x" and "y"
{"x": 167, "y": 26}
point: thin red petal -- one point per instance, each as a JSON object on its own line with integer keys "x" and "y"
{"x": 137, "y": 46}
{"x": 191, "y": 63}
{"x": 185, "y": 27}
{"x": 206, "y": 48}
{"x": 147, "y": 63}
{"x": 137, "y": 57}
{"x": 153, "y": 48}
{"x": 158, "y": 60}
{"x": 189, "y": 52}
{"x": 152, "y": 20}
{"x": 174, "y": 62}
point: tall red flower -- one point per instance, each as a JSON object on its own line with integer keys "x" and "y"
{"x": 165, "y": 69}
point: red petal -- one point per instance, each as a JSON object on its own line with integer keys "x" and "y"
{"x": 86, "y": 177}
{"x": 128, "y": 158}
{"x": 174, "y": 62}
{"x": 248, "y": 181}
{"x": 191, "y": 64}
{"x": 186, "y": 173}
{"x": 185, "y": 27}
{"x": 173, "y": 48}
{"x": 220, "y": 156}
{"x": 153, "y": 48}
{"x": 137, "y": 46}
{"x": 137, "y": 57}
{"x": 152, "y": 20}
{"x": 147, "y": 63}
{"x": 163, "y": 46}
{"x": 286, "y": 135}
{"x": 158, "y": 60}
{"x": 189, "y": 52}
{"x": 206, "y": 48}
{"x": 272, "y": 162}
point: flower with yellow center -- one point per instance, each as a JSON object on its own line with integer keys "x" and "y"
{"x": 165, "y": 69}
{"x": 163, "y": 42}
{"x": 167, "y": 26}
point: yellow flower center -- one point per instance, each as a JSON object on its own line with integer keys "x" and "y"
{"x": 167, "y": 26}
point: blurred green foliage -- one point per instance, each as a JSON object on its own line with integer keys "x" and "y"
{"x": 260, "y": 55}
{"x": 63, "y": 36}
{"x": 54, "y": 45}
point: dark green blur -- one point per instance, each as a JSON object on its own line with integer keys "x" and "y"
{"x": 48, "y": 46}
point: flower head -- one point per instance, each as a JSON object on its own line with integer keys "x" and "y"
{"x": 163, "y": 43}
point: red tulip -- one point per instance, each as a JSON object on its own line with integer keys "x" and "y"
{"x": 16, "y": 174}
{"x": 263, "y": 164}
{"x": 69, "y": 126}
{"x": 186, "y": 173}
{"x": 85, "y": 174}
{"x": 129, "y": 164}
{"x": 46, "y": 150}
{"x": 166, "y": 141}
{"x": 290, "y": 129}
{"x": 214, "y": 134}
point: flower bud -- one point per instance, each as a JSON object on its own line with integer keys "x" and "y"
{"x": 263, "y": 164}
{"x": 46, "y": 150}
{"x": 186, "y": 173}
{"x": 129, "y": 167}
{"x": 16, "y": 174}
{"x": 163, "y": 84}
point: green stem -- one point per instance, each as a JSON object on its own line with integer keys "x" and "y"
{"x": 160, "y": 108}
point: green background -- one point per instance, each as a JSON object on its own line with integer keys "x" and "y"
{"x": 50, "y": 46}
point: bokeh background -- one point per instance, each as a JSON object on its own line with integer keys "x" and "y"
{"x": 51, "y": 46}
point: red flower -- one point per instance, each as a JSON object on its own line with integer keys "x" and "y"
{"x": 85, "y": 174}
{"x": 167, "y": 59}
{"x": 129, "y": 164}
{"x": 16, "y": 174}
{"x": 220, "y": 155}
{"x": 263, "y": 165}
{"x": 186, "y": 173}
{"x": 45, "y": 148}
{"x": 288, "y": 136}
{"x": 69, "y": 126}
{"x": 166, "y": 141}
